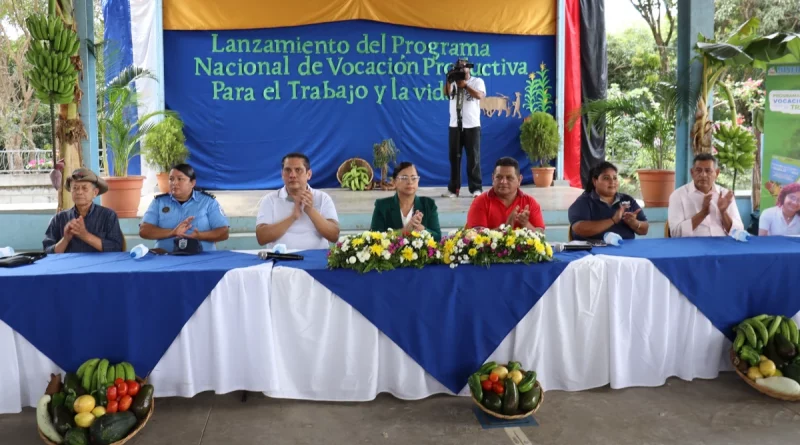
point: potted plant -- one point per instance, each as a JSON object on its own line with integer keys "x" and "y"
{"x": 165, "y": 147}
{"x": 654, "y": 115}
{"x": 539, "y": 140}
{"x": 384, "y": 153}
{"x": 121, "y": 137}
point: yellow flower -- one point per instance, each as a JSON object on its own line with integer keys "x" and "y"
{"x": 431, "y": 243}
{"x": 415, "y": 234}
{"x": 377, "y": 235}
{"x": 377, "y": 249}
{"x": 548, "y": 250}
{"x": 408, "y": 253}
{"x": 542, "y": 65}
{"x": 449, "y": 245}
{"x": 510, "y": 241}
{"x": 540, "y": 249}
{"x": 532, "y": 76}
{"x": 473, "y": 252}
{"x": 357, "y": 242}
{"x": 529, "y": 241}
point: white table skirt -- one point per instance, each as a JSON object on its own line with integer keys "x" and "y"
{"x": 606, "y": 320}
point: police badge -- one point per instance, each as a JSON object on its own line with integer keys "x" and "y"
{"x": 182, "y": 243}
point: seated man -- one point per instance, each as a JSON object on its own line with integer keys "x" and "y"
{"x": 297, "y": 215}
{"x": 505, "y": 203}
{"x": 87, "y": 227}
{"x": 702, "y": 208}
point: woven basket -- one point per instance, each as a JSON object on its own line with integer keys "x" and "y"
{"x": 345, "y": 167}
{"x": 775, "y": 395}
{"x": 139, "y": 425}
{"x": 515, "y": 417}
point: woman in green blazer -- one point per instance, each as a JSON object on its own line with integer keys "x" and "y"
{"x": 405, "y": 210}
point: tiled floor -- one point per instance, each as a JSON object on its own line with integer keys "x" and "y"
{"x": 720, "y": 411}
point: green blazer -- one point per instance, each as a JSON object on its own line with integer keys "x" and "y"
{"x": 387, "y": 215}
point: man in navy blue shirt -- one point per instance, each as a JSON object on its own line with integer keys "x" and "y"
{"x": 87, "y": 227}
{"x": 602, "y": 209}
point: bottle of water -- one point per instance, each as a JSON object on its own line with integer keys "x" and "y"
{"x": 279, "y": 248}
{"x": 139, "y": 251}
{"x": 612, "y": 239}
{"x": 740, "y": 235}
{"x": 6, "y": 251}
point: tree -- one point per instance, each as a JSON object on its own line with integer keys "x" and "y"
{"x": 633, "y": 60}
{"x": 661, "y": 18}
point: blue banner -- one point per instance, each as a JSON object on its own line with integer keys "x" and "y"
{"x": 331, "y": 91}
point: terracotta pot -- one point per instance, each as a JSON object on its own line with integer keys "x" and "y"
{"x": 543, "y": 176}
{"x": 163, "y": 182}
{"x": 123, "y": 195}
{"x": 656, "y": 186}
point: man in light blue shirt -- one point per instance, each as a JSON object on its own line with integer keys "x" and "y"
{"x": 184, "y": 213}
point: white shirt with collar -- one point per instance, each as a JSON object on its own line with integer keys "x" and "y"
{"x": 301, "y": 235}
{"x": 686, "y": 202}
{"x": 774, "y": 223}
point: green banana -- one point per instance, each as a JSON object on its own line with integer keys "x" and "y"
{"x": 111, "y": 374}
{"x": 739, "y": 342}
{"x": 750, "y": 333}
{"x": 120, "y": 371}
{"x": 129, "y": 372}
{"x": 760, "y": 329}
{"x": 793, "y": 330}
{"x": 785, "y": 329}
{"x": 761, "y": 317}
{"x": 773, "y": 327}
{"x": 86, "y": 380}
{"x": 85, "y": 365}
{"x": 102, "y": 372}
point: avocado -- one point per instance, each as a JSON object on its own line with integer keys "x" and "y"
{"x": 771, "y": 352}
{"x": 528, "y": 400}
{"x": 492, "y": 402}
{"x": 784, "y": 347}
{"x": 792, "y": 371}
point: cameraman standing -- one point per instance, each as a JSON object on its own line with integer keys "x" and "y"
{"x": 465, "y": 93}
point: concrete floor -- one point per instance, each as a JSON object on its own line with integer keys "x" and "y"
{"x": 720, "y": 411}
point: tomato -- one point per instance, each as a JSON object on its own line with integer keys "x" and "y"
{"x": 487, "y": 385}
{"x": 111, "y": 393}
{"x": 498, "y": 388}
{"x": 119, "y": 380}
{"x": 133, "y": 388}
{"x": 122, "y": 389}
{"x": 494, "y": 377}
{"x": 112, "y": 407}
{"x": 125, "y": 403}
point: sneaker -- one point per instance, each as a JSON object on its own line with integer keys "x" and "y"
{"x": 476, "y": 193}
{"x": 449, "y": 195}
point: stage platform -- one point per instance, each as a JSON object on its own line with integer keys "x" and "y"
{"x": 23, "y": 225}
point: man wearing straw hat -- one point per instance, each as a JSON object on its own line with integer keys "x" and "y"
{"x": 87, "y": 227}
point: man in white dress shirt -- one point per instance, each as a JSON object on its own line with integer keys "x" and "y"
{"x": 297, "y": 215}
{"x": 702, "y": 208}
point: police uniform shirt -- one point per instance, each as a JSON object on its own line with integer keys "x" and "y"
{"x": 166, "y": 212}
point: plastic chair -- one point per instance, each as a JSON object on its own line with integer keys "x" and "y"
{"x": 666, "y": 230}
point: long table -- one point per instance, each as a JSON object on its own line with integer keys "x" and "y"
{"x": 615, "y": 318}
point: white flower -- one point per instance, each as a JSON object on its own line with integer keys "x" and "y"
{"x": 345, "y": 248}
{"x": 452, "y": 258}
{"x": 452, "y": 265}
{"x": 417, "y": 243}
{"x": 402, "y": 260}
{"x": 415, "y": 256}
{"x": 493, "y": 246}
{"x": 494, "y": 234}
{"x": 385, "y": 243}
{"x": 366, "y": 235}
{"x": 352, "y": 260}
{"x": 460, "y": 244}
{"x": 404, "y": 241}
{"x": 342, "y": 239}
{"x": 452, "y": 232}
{"x": 465, "y": 258}
{"x": 438, "y": 254}
{"x": 386, "y": 255}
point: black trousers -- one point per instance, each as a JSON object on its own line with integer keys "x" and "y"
{"x": 469, "y": 141}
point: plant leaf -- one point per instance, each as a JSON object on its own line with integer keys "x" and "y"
{"x": 724, "y": 53}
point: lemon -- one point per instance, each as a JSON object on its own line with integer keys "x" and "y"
{"x": 98, "y": 411}
{"x": 501, "y": 372}
{"x": 84, "y": 420}
{"x": 753, "y": 373}
{"x": 761, "y": 358}
{"x": 778, "y": 373}
{"x": 767, "y": 368}
{"x": 84, "y": 404}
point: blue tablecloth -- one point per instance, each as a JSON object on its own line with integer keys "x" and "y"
{"x": 73, "y": 307}
{"x": 448, "y": 320}
{"x": 727, "y": 280}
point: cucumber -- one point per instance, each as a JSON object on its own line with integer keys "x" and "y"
{"x": 142, "y": 402}
{"x": 487, "y": 368}
{"x": 527, "y": 382}
{"x": 514, "y": 366}
{"x": 510, "y": 398}
{"x": 474, "y": 386}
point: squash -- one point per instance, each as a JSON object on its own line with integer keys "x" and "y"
{"x": 43, "y": 421}
{"x": 783, "y": 385}
{"x": 112, "y": 428}
{"x": 77, "y": 436}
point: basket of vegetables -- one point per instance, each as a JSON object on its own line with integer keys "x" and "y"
{"x": 765, "y": 355}
{"x": 101, "y": 404}
{"x": 506, "y": 392}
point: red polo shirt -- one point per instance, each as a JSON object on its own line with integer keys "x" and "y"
{"x": 487, "y": 210}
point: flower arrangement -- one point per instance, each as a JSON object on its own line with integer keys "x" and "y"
{"x": 486, "y": 246}
{"x": 39, "y": 164}
{"x": 384, "y": 251}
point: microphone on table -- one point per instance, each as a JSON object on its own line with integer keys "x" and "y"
{"x": 570, "y": 247}
{"x": 267, "y": 255}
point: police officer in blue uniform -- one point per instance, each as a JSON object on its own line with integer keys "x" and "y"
{"x": 184, "y": 213}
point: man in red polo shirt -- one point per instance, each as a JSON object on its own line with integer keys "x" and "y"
{"x": 505, "y": 203}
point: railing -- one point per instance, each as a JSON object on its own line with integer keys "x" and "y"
{"x": 26, "y": 161}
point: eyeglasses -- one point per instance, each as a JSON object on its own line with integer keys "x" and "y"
{"x": 793, "y": 198}
{"x": 707, "y": 171}
{"x": 406, "y": 178}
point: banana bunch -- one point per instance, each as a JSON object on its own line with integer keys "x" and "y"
{"x": 736, "y": 147}
{"x": 357, "y": 178}
{"x": 99, "y": 373}
{"x": 757, "y": 331}
{"x": 53, "y": 75}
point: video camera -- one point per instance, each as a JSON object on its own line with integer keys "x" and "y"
{"x": 458, "y": 71}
